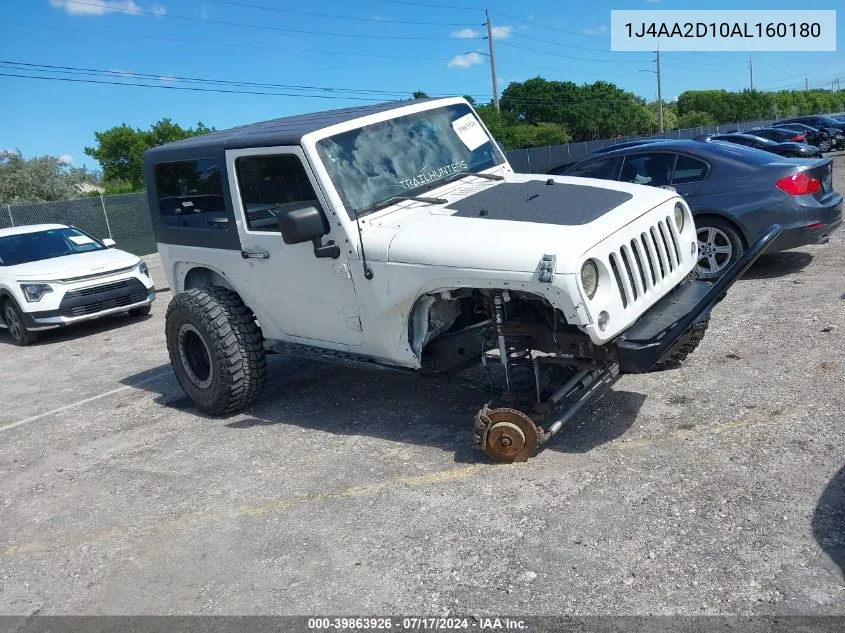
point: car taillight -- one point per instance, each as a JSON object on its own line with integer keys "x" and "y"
{"x": 799, "y": 184}
{"x": 799, "y": 138}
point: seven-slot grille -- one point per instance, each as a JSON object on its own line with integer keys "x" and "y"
{"x": 646, "y": 261}
{"x": 103, "y": 297}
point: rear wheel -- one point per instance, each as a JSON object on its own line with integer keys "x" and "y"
{"x": 824, "y": 145}
{"x": 216, "y": 349}
{"x": 719, "y": 246}
{"x": 14, "y": 322}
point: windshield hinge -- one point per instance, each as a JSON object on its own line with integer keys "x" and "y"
{"x": 547, "y": 269}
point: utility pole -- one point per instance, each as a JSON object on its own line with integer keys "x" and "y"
{"x": 806, "y": 84}
{"x": 492, "y": 62}
{"x": 751, "y": 70}
{"x": 659, "y": 94}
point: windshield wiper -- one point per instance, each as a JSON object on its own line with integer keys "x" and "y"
{"x": 464, "y": 174}
{"x": 394, "y": 199}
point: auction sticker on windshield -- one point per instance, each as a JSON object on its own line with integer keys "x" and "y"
{"x": 470, "y": 132}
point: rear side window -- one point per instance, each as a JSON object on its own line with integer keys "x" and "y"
{"x": 270, "y": 184}
{"x": 190, "y": 194}
{"x": 689, "y": 170}
{"x": 603, "y": 169}
{"x": 652, "y": 168}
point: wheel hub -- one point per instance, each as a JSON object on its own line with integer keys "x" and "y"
{"x": 511, "y": 436}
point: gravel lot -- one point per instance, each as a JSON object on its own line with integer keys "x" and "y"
{"x": 713, "y": 489}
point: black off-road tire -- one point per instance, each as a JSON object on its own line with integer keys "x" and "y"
{"x": 679, "y": 355}
{"x": 140, "y": 312}
{"x": 213, "y": 325}
{"x": 12, "y": 318}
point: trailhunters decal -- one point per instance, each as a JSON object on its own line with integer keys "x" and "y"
{"x": 434, "y": 174}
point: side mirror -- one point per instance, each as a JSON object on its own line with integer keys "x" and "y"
{"x": 307, "y": 224}
{"x": 109, "y": 242}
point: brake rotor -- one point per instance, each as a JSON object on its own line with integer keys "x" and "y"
{"x": 511, "y": 437}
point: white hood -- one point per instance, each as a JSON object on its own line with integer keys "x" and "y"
{"x": 72, "y": 266}
{"x": 434, "y": 235}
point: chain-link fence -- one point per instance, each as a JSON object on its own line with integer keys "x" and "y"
{"x": 125, "y": 218}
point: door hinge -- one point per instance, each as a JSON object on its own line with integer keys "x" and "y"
{"x": 342, "y": 270}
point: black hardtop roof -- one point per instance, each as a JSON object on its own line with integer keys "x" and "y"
{"x": 285, "y": 131}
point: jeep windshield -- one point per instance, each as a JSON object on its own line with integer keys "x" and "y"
{"x": 406, "y": 156}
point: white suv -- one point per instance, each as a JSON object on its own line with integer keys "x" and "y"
{"x": 398, "y": 237}
{"x": 53, "y": 275}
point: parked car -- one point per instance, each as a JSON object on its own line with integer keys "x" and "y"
{"x": 52, "y": 275}
{"x": 833, "y": 126}
{"x": 734, "y": 192}
{"x": 790, "y": 148}
{"x": 817, "y": 121}
{"x": 778, "y": 135}
{"x": 824, "y": 139}
{"x": 404, "y": 241}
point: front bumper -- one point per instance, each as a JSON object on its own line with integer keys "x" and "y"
{"x": 667, "y": 325}
{"x": 93, "y": 303}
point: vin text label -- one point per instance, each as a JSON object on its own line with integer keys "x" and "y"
{"x": 808, "y": 30}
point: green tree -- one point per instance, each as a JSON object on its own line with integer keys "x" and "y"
{"x": 120, "y": 150}
{"x": 419, "y": 94}
{"x": 696, "y": 119}
{"x": 590, "y": 111}
{"x": 39, "y": 179}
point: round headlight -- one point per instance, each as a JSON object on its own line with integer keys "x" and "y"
{"x": 590, "y": 278}
{"x": 679, "y": 217}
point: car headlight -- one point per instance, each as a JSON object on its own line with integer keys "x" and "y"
{"x": 142, "y": 268}
{"x": 679, "y": 217}
{"x": 34, "y": 292}
{"x": 590, "y": 278}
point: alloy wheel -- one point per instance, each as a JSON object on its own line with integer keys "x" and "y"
{"x": 714, "y": 250}
{"x": 13, "y": 323}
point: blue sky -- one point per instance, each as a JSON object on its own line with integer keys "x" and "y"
{"x": 383, "y": 48}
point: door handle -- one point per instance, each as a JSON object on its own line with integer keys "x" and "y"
{"x": 255, "y": 254}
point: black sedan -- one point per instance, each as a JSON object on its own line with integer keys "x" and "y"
{"x": 788, "y": 148}
{"x": 824, "y": 139}
{"x": 734, "y": 192}
{"x": 828, "y": 138}
{"x": 779, "y": 135}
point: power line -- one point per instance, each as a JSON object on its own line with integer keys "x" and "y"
{"x": 432, "y": 5}
{"x": 263, "y": 26}
{"x": 584, "y": 59}
{"x": 330, "y": 16}
{"x": 159, "y": 76}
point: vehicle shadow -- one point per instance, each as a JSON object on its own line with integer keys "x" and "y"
{"x": 772, "y": 265}
{"x": 829, "y": 520}
{"x": 80, "y": 330}
{"x": 397, "y": 407}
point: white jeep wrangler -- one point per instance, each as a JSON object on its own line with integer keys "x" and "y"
{"x": 398, "y": 237}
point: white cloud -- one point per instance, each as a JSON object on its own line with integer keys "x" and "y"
{"x": 66, "y": 159}
{"x": 598, "y": 30}
{"x": 159, "y": 10}
{"x": 203, "y": 13}
{"x": 465, "y": 61}
{"x": 167, "y": 79}
{"x": 124, "y": 73}
{"x": 653, "y": 1}
{"x": 466, "y": 34}
{"x": 96, "y": 7}
{"x": 502, "y": 32}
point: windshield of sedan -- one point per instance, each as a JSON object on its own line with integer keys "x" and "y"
{"x": 23, "y": 248}
{"x": 406, "y": 156}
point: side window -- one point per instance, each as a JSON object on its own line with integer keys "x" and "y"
{"x": 270, "y": 184}
{"x": 190, "y": 194}
{"x": 689, "y": 170}
{"x": 653, "y": 169}
{"x": 603, "y": 169}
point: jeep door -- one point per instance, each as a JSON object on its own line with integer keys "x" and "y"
{"x": 301, "y": 295}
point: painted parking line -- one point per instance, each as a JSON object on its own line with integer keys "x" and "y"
{"x": 79, "y": 403}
